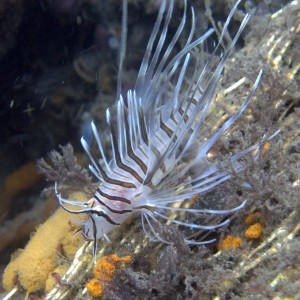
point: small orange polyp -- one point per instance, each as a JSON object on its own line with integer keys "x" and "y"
{"x": 254, "y": 232}
{"x": 95, "y": 287}
{"x": 265, "y": 149}
{"x": 230, "y": 242}
{"x": 253, "y": 218}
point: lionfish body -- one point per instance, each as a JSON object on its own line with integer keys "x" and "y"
{"x": 159, "y": 157}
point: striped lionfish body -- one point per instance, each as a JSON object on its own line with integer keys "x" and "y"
{"x": 159, "y": 157}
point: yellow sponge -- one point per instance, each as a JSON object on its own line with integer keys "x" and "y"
{"x": 54, "y": 276}
{"x": 40, "y": 257}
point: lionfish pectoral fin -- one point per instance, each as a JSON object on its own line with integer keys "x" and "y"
{"x": 191, "y": 225}
{"x": 85, "y": 205}
{"x": 212, "y": 140}
{"x": 152, "y": 221}
{"x": 106, "y": 238}
{"x": 77, "y": 231}
{"x": 205, "y": 210}
{"x": 151, "y": 238}
{"x": 254, "y": 147}
{"x": 192, "y": 152}
{"x": 192, "y": 242}
{"x": 157, "y": 236}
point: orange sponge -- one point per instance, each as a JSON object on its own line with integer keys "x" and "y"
{"x": 104, "y": 271}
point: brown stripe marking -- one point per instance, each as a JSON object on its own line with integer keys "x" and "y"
{"x": 113, "y": 198}
{"x": 105, "y": 216}
{"x": 165, "y": 128}
{"x": 181, "y": 111}
{"x": 112, "y": 210}
{"x": 130, "y": 152}
{"x": 116, "y": 182}
{"x": 119, "y": 162}
{"x": 143, "y": 129}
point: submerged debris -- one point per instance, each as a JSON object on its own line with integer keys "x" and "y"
{"x": 267, "y": 268}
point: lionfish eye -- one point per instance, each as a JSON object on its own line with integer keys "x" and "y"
{"x": 86, "y": 232}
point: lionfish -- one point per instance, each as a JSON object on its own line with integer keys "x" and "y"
{"x": 159, "y": 157}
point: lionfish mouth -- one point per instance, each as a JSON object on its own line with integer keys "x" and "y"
{"x": 158, "y": 145}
